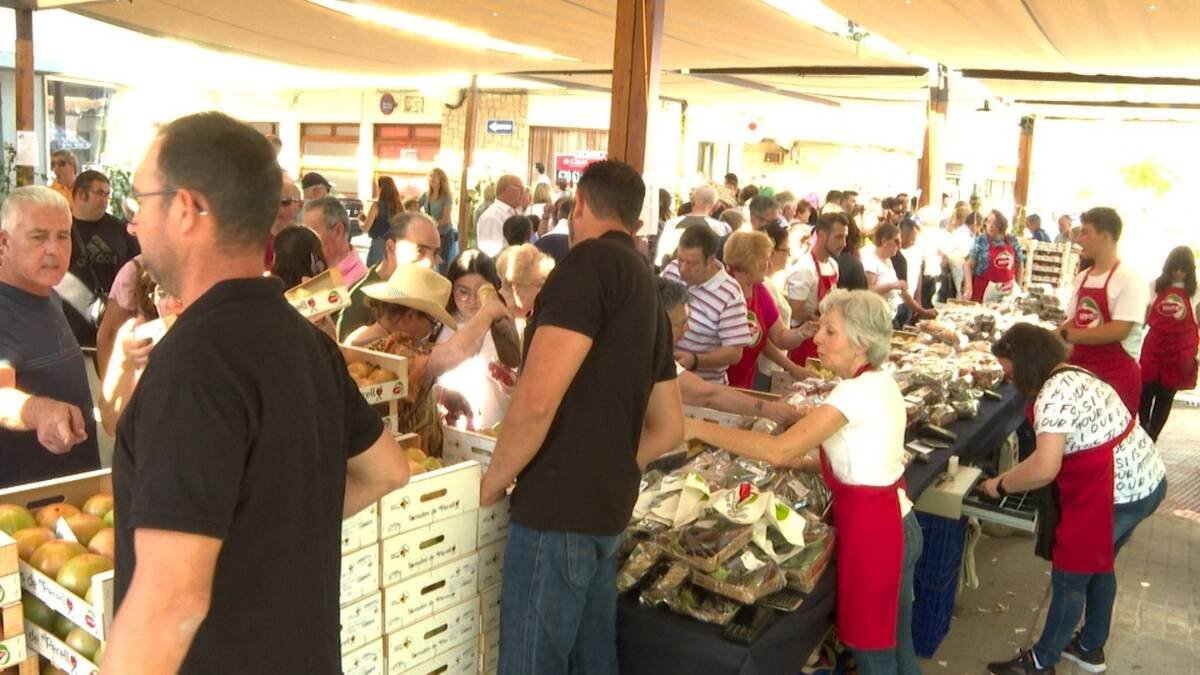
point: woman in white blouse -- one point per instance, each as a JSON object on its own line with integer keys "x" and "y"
{"x": 859, "y": 433}
{"x": 882, "y": 277}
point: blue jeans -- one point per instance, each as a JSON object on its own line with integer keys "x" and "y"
{"x": 558, "y": 605}
{"x": 377, "y": 251}
{"x": 1071, "y": 592}
{"x": 902, "y": 658}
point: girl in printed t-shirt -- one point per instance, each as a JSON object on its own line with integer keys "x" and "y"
{"x": 1169, "y": 351}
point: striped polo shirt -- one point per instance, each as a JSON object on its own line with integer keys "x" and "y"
{"x": 716, "y": 317}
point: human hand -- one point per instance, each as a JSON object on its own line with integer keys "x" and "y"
{"x": 989, "y": 487}
{"x": 900, "y": 285}
{"x": 135, "y": 352}
{"x": 456, "y": 406}
{"x": 59, "y": 425}
{"x": 809, "y": 328}
{"x": 491, "y": 489}
{"x": 781, "y": 413}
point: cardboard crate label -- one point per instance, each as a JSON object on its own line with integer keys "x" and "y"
{"x": 466, "y": 446}
{"x": 366, "y": 661}
{"x": 426, "y": 640}
{"x": 360, "y": 574}
{"x": 491, "y": 564}
{"x": 10, "y": 589}
{"x": 362, "y": 622}
{"x": 425, "y": 595}
{"x": 59, "y": 599}
{"x": 430, "y": 497}
{"x": 13, "y": 651}
{"x": 57, "y": 652}
{"x": 380, "y": 392}
{"x": 493, "y": 522}
{"x": 361, "y": 529}
{"x": 426, "y": 548}
{"x": 489, "y": 609}
{"x": 462, "y": 660}
{"x": 489, "y": 650}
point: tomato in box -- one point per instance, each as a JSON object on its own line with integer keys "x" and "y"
{"x": 48, "y": 516}
{"x": 51, "y": 556}
{"x": 13, "y": 518}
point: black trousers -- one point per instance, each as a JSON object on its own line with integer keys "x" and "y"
{"x": 1155, "y": 408}
{"x": 929, "y": 286}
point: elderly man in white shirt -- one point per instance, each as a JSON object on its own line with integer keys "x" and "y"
{"x": 704, "y": 198}
{"x": 489, "y": 231}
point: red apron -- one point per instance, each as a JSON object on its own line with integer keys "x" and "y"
{"x": 1001, "y": 270}
{"x": 1083, "y": 540}
{"x": 825, "y": 283}
{"x": 1169, "y": 352}
{"x": 1109, "y": 362}
{"x": 870, "y": 554}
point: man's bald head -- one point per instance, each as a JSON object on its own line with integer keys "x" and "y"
{"x": 705, "y": 197}
{"x": 510, "y": 190}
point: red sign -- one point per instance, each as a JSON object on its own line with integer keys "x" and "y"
{"x": 387, "y": 103}
{"x": 570, "y": 167}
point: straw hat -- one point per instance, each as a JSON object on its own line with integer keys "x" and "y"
{"x": 416, "y": 286}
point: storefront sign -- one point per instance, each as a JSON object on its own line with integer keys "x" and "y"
{"x": 387, "y": 104}
{"x": 570, "y": 167}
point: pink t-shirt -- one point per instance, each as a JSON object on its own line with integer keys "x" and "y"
{"x": 761, "y": 314}
{"x": 352, "y": 268}
{"x": 124, "y": 288}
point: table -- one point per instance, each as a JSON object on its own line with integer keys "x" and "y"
{"x": 655, "y": 641}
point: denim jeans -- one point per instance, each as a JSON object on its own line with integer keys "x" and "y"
{"x": 902, "y": 658}
{"x": 377, "y": 251}
{"x": 1071, "y": 592}
{"x": 558, "y": 605}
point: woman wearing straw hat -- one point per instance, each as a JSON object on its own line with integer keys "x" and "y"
{"x": 409, "y": 306}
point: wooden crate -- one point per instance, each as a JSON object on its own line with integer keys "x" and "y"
{"x": 382, "y": 392}
{"x": 320, "y": 296}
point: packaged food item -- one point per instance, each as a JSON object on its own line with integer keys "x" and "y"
{"x": 645, "y": 554}
{"x": 665, "y": 584}
{"x": 942, "y": 415}
{"x": 705, "y": 544}
{"x": 802, "y": 491}
{"x": 966, "y": 409}
{"x": 746, "y": 577}
{"x": 703, "y": 605}
{"x": 805, "y": 569}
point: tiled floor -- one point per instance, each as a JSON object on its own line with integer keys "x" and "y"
{"x": 1156, "y": 622}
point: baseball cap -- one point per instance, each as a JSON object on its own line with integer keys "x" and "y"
{"x": 312, "y": 179}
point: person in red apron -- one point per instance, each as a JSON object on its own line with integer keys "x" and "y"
{"x": 858, "y": 433}
{"x": 1078, "y": 446}
{"x": 1169, "y": 351}
{"x": 995, "y": 259}
{"x": 1093, "y": 330}
{"x": 830, "y": 239}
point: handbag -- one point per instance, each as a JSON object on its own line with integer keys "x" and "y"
{"x": 1048, "y": 514}
{"x": 86, "y": 304}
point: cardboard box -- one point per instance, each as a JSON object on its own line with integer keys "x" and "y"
{"x": 367, "y": 660}
{"x": 360, "y": 529}
{"x": 433, "y": 637}
{"x": 462, "y": 660}
{"x": 10, "y": 572}
{"x": 383, "y": 391}
{"x": 362, "y": 622}
{"x": 430, "y": 497}
{"x": 465, "y": 446}
{"x": 489, "y": 609}
{"x": 426, "y": 548}
{"x": 320, "y": 296}
{"x": 424, "y": 595}
{"x": 489, "y": 651}
{"x": 717, "y": 417}
{"x": 12, "y": 632}
{"x": 13, "y": 651}
{"x": 360, "y": 574}
{"x": 491, "y": 564}
{"x": 493, "y": 521}
{"x": 57, "y": 652}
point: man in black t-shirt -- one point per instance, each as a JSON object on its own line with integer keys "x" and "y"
{"x": 101, "y": 247}
{"x": 245, "y": 442}
{"x": 596, "y": 402}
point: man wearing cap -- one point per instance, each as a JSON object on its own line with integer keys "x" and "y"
{"x": 489, "y": 230}
{"x": 409, "y": 306}
{"x": 246, "y": 441}
{"x": 315, "y": 186}
{"x": 596, "y": 402}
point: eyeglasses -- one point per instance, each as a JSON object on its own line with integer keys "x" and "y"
{"x": 103, "y": 194}
{"x": 289, "y": 201}
{"x": 131, "y": 205}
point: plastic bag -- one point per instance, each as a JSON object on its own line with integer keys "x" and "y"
{"x": 746, "y": 577}
{"x": 640, "y": 561}
{"x": 665, "y": 585}
{"x": 804, "y": 570}
{"x": 942, "y": 415}
{"x": 703, "y": 605}
{"x": 706, "y": 544}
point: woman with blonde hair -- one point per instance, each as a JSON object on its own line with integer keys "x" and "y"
{"x": 438, "y": 204}
{"x": 542, "y": 201}
{"x": 523, "y": 271}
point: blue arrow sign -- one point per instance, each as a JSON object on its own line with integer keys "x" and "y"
{"x": 500, "y": 126}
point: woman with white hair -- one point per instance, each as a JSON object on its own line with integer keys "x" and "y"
{"x": 856, "y": 438}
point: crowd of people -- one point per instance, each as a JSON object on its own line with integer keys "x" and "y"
{"x": 241, "y": 439}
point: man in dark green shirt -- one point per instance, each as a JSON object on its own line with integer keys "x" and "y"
{"x": 412, "y": 237}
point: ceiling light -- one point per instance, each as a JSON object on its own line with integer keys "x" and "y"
{"x": 436, "y": 29}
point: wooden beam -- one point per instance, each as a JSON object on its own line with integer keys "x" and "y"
{"x": 1037, "y": 76}
{"x": 465, "y": 214}
{"x": 742, "y": 82}
{"x": 24, "y": 86}
{"x": 1021, "y": 189}
{"x": 1112, "y": 104}
{"x": 636, "y": 54}
{"x": 931, "y": 168}
{"x": 799, "y": 71}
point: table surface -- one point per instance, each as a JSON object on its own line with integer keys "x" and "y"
{"x": 656, "y": 641}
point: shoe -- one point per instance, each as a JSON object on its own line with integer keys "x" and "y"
{"x": 1091, "y": 660}
{"x": 1024, "y": 664}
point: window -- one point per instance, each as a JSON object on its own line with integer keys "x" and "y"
{"x": 331, "y": 150}
{"x": 406, "y": 152}
{"x": 76, "y": 118}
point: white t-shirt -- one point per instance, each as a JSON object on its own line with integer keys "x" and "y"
{"x": 1089, "y": 412}
{"x": 472, "y": 379}
{"x": 775, "y": 285}
{"x": 869, "y": 450}
{"x": 668, "y": 239}
{"x": 958, "y": 244}
{"x": 931, "y": 242}
{"x": 913, "y": 255}
{"x": 1128, "y": 297}
{"x": 886, "y": 274}
{"x": 489, "y": 231}
{"x": 802, "y": 281}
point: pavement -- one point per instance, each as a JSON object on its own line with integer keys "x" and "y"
{"x": 1156, "y": 621}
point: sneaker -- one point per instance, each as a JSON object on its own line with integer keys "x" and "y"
{"x": 1091, "y": 660}
{"x": 1024, "y": 664}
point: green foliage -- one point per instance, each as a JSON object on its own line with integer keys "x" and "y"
{"x": 1147, "y": 175}
{"x": 120, "y": 180}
